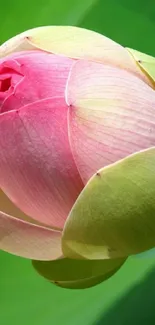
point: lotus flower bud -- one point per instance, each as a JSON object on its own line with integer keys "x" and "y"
{"x": 74, "y": 106}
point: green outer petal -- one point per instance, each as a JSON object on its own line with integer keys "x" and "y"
{"x": 114, "y": 216}
{"x": 145, "y": 62}
{"x": 85, "y": 283}
{"x": 72, "y": 270}
{"x": 74, "y": 42}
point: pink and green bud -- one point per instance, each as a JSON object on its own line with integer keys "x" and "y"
{"x": 77, "y": 157}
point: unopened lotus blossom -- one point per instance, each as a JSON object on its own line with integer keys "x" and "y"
{"x": 77, "y": 158}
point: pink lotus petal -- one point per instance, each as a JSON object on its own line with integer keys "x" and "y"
{"x": 112, "y": 114}
{"x": 19, "y": 235}
{"x": 37, "y": 170}
{"x": 43, "y": 75}
{"x": 28, "y": 240}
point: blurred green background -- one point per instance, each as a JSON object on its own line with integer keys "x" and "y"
{"x": 129, "y": 296}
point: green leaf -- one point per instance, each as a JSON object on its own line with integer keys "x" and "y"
{"x": 145, "y": 62}
{"x": 114, "y": 215}
{"x": 72, "y": 270}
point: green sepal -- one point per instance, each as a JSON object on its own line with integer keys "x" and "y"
{"x": 72, "y": 273}
{"x": 145, "y": 62}
{"x": 114, "y": 216}
{"x": 85, "y": 283}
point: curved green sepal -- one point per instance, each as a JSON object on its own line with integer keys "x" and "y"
{"x": 85, "y": 283}
{"x": 114, "y": 216}
{"x": 145, "y": 62}
{"x": 74, "y": 270}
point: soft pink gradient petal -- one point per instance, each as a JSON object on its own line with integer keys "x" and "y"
{"x": 111, "y": 115}
{"x": 28, "y": 240}
{"x": 43, "y": 75}
{"x": 37, "y": 170}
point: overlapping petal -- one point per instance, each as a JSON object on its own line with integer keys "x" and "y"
{"x": 111, "y": 115}
{"x": 146, "y": 63}
{"x": 74, "y": 42}
{"x": 9, "y": 208}
{"x": 41, "y": 75}
{"x": 22, "y": 237}
{"x": 37, "y": 170}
